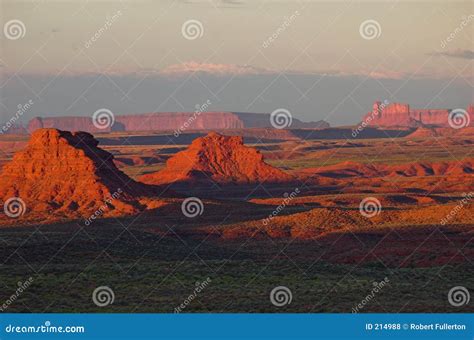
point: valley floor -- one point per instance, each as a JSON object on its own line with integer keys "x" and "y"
{"x": 158, "y": 273}
{"x": 320, "y": 246}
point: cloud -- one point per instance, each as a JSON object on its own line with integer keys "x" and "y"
{"x": 387, "y": 75}
{"x": 462, "y": 54}
{"x": 245, "y": 70}
{"x": 213, "y": 69}
{"x": 232, "y": 70}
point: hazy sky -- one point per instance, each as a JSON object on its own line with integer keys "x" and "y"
{"x": 74, "y": 57}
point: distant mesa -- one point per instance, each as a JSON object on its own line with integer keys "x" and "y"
{"x": 217, "y": 159}
{"x": 402, "y": 115}
{"x": 13, "y": 129}
{"x": 168, "y": 121}
{"x": 67, "y": 174}
{"x": 69, "y": 124}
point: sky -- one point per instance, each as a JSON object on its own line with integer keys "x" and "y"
{"x": 319, "y": 59}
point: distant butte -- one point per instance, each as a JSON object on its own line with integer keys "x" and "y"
{"x": 402, "y": 115}
{"x": 217, "y": 159}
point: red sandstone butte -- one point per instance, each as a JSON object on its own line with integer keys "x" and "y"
{"x": 217, "y": 158}
{"x": 401, "y": 115}
{"x": 168, "y": 121}
{"x": 66, "y": 173}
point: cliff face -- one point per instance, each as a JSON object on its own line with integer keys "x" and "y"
{"x": 170, "y": 121}
{"x": 66, "y": 123}
{"x": 401, "y": 115}
{"x": 180, "y": 120}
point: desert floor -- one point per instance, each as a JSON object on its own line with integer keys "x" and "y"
{"x": 319, "y": 245}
